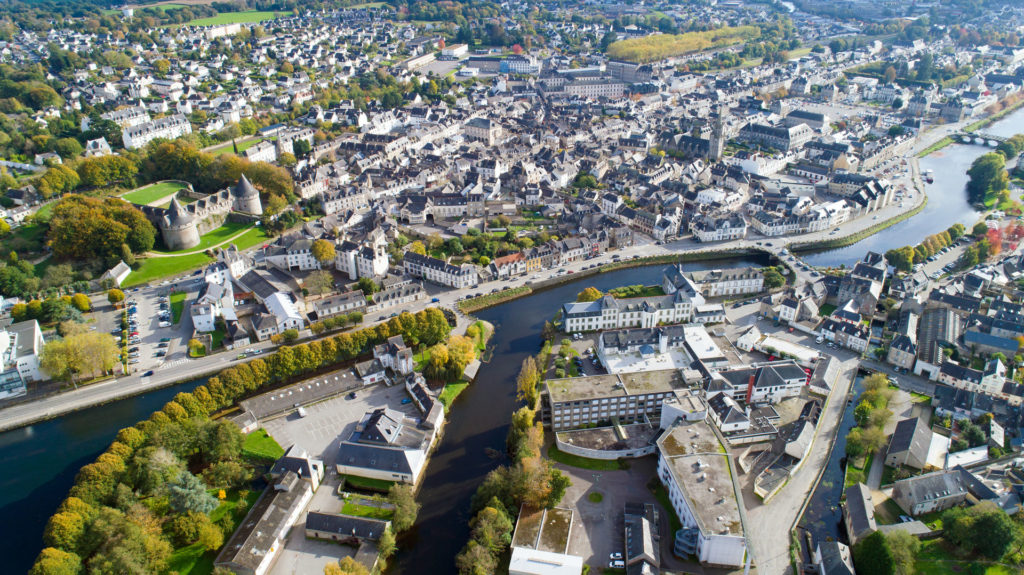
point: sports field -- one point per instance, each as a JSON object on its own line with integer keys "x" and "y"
{"x": 234, "y": 18}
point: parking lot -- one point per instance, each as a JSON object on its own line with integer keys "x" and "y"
{"x": 328, "y": 422}
{"x": 598, "y": 529}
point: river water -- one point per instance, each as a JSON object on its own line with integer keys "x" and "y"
{"x": 42, "y": 460}
{"x": 947, "y": 200}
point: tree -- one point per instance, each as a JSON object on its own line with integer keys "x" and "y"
{"x": 904, "y": 548}
{"x": 53, "y": 561}
{"x": 323, "y": 251}
{"x": 987, "y": 176}
{"x": 67, "y": 148}
{"x": 773, "y": 279}
{"x": 890, "y": 75}
{"x": 386, "y": 543}
{"x": 88, "y": 353}
{"x": 367, "y": 286}
{"x": 526, "y": 383}
{"x": 319, "y": 282}
{"x": 188, "y": 493}
{"x": 115, "y": 296}
{"x": 417, "y": 247}
{"x": 873, "y": 555}
{"x": 402, "y": 497}
{"x": 347, "y": 565}
{"x": 993, "y": 531}
{"x": 589, "y": 294}
{"x": 81, "y": 302}
{"x": 63, "y": 530}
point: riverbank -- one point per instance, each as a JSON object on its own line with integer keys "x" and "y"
{"x": 494, "y": 299}
{"x": 95, "y": 395}
{"x": 849, "y": 240}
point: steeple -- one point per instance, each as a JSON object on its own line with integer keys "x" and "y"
{"x": 716, "y": 145}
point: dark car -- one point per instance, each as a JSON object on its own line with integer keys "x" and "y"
{"x": 165, "y": 339}
{"x": 435, "y": 300}
{"x": 351, "y": 395}
{"x": 131, "y": 349}
{"x": 148, "y": 373}
{"x": 382, "y": 318}
{"x": 161, "y": 353}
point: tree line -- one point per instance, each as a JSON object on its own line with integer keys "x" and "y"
{"x": 903, "y": 259}
{"x": 530, "y": 481}
{"x": 139, "y": 499}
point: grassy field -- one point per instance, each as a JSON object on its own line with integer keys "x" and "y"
{"x": 259, "y": 445}
{"x": 583, "y": 462}
{"x": 151, "y": 193}
{"x": 177, "y": 305}
{"x": 936, "y": 557}
{"x": 193, "y": 560}
{"x": 234, "y": 18}
{"x": 158, "y": 268}
{"x": 368, "y": 5}
{"x": 242, "y": 146}
{"x": 450, "y": 392}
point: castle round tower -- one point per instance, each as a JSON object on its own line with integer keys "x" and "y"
{"x": 178, "y": 228}
{"x": 246, "y": 198}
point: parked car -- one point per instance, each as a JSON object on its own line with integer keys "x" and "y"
{"x": 148, "y": 373}
{"x": 615, "y": 556}
{"x": 617, "y": 564}
{"x": 435, "y": 300}
{"x": 351, "y": 395}
{"x": 406, "y": 400}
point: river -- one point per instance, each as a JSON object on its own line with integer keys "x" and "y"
{"x": 823, "y": 518}
{"x": 43, "y": 459}
{"x": 947, "y": 200}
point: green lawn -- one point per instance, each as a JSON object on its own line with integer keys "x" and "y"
{"x": 234, "y": 18}
{"x": 252, "y": 236}
{"x": 636, "y": 291}
{"x": 214, "y": 237}
{"x": 359, "y": 510}
{"x": 919, "y": 397}
{"x": 936, "y": 557}
{"x": 888, "y": 513}
{"x": 177, "y": 304}
{"x": 193, "y": 560}
{"x": 864, "y": 471}
{"x": 367, "y": 483}
{"x": 242, "y": 146}
{"x": 420, "y": 359}
{"x": 450, "y": 392}
{"x": 217, "y": 337}
{"x": 826, "y": 310}
{"x": 259, "y": 445}
{"x": 582, "y": 462}
{"x": 368, "y": 5}
{"x": 151, "y": 193}
{"x": 158, "y": 268}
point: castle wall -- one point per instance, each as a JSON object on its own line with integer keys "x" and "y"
{"x": 180, "y": 238}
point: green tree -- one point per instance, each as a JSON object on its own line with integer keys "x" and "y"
{"x": 987, "y": 176}
{"x": 904, "y": 548}
{"x": 319, "y": 282}
{"x": 81, "y": 302}
{"x": 402, "y": 497}
{"x": 873, "y": 555}
{"x": 526, "y": 382}
{"x": 188, "y": 493}
{"x": 367, "y": 286}
{"x": 53, "y": 561}
{"x": 115, "y": 296}
{"x": 386, "y": 543}
{"x": 773, "y": 279}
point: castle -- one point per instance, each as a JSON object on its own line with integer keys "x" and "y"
{"x": 181, "y": 225}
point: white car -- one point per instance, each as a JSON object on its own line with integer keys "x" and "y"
{"x": 617, "y": 564}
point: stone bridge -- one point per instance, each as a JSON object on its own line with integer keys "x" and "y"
{"x": 989, "y": 140}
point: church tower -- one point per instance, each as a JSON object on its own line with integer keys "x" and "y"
{"x": 716, "y": 146}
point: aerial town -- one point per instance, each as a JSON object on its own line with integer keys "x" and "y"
{"x": 553, "y": 288}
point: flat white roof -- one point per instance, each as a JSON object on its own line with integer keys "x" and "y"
{"x": 532, "y": 562}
